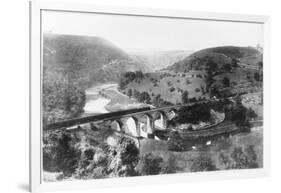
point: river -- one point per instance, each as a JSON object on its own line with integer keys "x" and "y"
{"x": 106, "y": 98}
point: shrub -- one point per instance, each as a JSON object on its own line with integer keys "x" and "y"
{"x": 170, "y": 166}
{"x": 244, "y": 160}
{"x": 226, "y": 82}
{"x": 175, "y": 142}
{"x": 150, "y": 164}
{"x": 184, "y": 97}
{"x": 59, "y": 153}
{"x": 124, "y": 159}
{"x": 202, "y": 163}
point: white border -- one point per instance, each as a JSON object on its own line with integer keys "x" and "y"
{"x": 35, "y": 81}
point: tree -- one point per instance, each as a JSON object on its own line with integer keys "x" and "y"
{"x": 150, "y": 164}
{"x": 59, "y": 153}
{"x": 226, "y": 82}
{"x": 257, "y": 76}
{"x": 125, "y": 158}
{"x": 234, "y": 62}
{"x": 260, "y": 64}
{"x": 238, "y": 115}
{"x": 202, "y": 163}
{"x": 175, "y": 142}
{"x": 143, "y": 97}
{"x": 193, "y": 114}
{"x": 251, "y": 113}
{"x": 184, "y": 97}
{"x": 224, "y": 161}
{"x": 211, "y": 66}
{"x": 244, "y": 160}
{"x": 170, "y": 167}
{"x": 226, "y": 67}
{"x": 252, "y": 156}
{"x": 130, "y": 92}
{"x": 214, "y": 91}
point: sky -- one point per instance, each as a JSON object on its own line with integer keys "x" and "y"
{"x": 154, "y": 33}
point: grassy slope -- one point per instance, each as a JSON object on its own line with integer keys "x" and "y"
{"x": 162, "y": 82}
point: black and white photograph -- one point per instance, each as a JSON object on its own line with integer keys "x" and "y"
{"x": 134, "y": 95}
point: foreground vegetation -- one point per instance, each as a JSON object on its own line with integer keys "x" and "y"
{"x": 75, "y": 157}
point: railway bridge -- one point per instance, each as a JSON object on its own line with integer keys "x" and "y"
{"x": 135, "y": 122}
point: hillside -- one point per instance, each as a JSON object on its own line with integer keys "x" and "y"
{"x": 220, "y": 55}
{"x": 93, "y": 58}
{"x": 159, "y": 59}
{"x": 218, "y": 71}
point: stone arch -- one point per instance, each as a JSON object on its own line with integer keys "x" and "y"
{"x": 117, "y": 125}
{"x": 161, "y": 121}
{"x": 149, "y": 124}
{"x": 132, "y": 127}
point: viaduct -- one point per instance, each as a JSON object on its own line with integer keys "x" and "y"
{"x": 134, "y": 122}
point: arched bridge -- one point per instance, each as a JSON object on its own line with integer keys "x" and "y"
{"x": 135, "y": 122}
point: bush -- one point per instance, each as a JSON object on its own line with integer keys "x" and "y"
{"x": 175, "y": 142}
{"x": 184, "y": 97}
{"x": 124, "y": 159}
{"x": 60, "y": 154}
{"x": 150, "y": 164}
{"x": 170, "y": 166}
{"x": 244, "y": 160}
{"x": 202, "y": 163}
{"x": 226, "y": 82}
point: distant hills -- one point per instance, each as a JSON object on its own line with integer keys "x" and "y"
{"x": 220, "y": 55}
{"x": 157, "y": 60}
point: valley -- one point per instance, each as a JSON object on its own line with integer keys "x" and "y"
{"x": 176, "y": 109}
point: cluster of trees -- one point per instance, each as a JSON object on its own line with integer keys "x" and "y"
{"x": 211, "y": 69}
{"x": 128, "y": 77}
{"x": 184, "y": 97}
{"x": 142, "y": 97}
{"x": 62, "y": 153}
{"x": 239, "y": 114}
{"x": 225, "y": 81}
{"x": 175, "y": 141}
{"x": 258, "y": 76}
{"x": 193, "y": 114}
{"x": 59, "y": 153}
{"x": 63, "y": 96}
{"x": 239, "y": 158}
{"x": 157, "y": 101}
